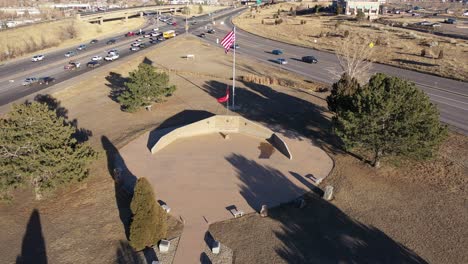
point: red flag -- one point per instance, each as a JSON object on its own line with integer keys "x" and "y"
{"x": 228, "y": 41}
{"x": 224, "y": 98}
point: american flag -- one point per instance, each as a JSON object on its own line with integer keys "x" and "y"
{"x": 228, "y": 41}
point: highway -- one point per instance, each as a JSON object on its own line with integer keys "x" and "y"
{"x": 449, "y": 95}
{"x": 12, "y": 74}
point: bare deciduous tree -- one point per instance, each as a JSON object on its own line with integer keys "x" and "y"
{"x": 355, "y": 57}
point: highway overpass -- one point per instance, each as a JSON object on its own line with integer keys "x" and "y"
{"x": 100, "y": 17}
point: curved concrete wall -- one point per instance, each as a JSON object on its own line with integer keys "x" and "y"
{"x": 223, "y": 124}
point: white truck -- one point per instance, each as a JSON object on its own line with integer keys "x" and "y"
{"x": 112, "y": 56}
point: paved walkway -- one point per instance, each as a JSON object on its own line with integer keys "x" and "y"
{"x": 200, "y": 177}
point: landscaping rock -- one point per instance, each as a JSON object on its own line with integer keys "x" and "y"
{"x": 264, "y": 211}
{"x": 328, "y": 195}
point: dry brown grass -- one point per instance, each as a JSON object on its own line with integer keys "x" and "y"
{"x": 38, "y": 38}
{"x": 398, "y": 47}
{"x": 422, "y": 207}
{"x": 81, "y": 223}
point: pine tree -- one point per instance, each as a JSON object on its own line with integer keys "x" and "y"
{"x": 390, "y": 116}
{"x": 144, "y": 87}
{"x": 37, "y": 148}
{"x": 148, "y": 218}
{"x": 360, "y": 15}
{"x": 341, "y": 94}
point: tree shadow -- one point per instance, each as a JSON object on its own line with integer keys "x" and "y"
{"x": 124, "y": 182}
{"x": 127, "y": 255}
{"x": 414, "y": 62}
{"x": 182, "y": 118}
{"x": 33, "y": 249}
{"x": 80, "y": 134}
{"x": 204, "y": 259}
{"x": 116, "y": 83}
{"x": 317, "y": 232}
{"x": 262, "y": 185}
{"x": 322, "y": 233}
{"x": 292, "y": 116}
{"x": 150, "y": 255}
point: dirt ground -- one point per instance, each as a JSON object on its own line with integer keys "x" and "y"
{"x": 394, "y": 46}
{"x": 422, "y": 206}
{"x": 82, "y": 223}
{"x": 50, "y": 33}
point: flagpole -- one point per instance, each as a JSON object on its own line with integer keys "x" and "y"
{"x": 234, "y": 72}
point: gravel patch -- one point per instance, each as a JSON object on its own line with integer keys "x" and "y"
{"x": 225, "y": 256}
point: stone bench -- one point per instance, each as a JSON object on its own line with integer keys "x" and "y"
{"x": 236, "y": 213}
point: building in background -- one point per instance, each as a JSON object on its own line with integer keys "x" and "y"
{"x": 371, "y": 8}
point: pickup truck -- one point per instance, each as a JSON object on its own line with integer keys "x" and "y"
{"x": 112, "y": 56}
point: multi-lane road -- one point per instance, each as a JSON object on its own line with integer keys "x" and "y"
{"x": 13, "y": 74}
{"x": 450, "y": 96}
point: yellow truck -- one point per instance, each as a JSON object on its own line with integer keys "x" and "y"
{"x": 169, "y": 34}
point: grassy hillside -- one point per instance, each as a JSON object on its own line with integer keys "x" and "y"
{"x": 31, "y": 39}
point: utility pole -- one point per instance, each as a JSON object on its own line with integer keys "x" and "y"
{"x": 186, "y": 13}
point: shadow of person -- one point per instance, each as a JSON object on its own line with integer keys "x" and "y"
{"x": 124, "y": 182}
{"x": 33, "y": 249}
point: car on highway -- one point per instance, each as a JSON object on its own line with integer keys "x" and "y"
{"x": 112, "y": 57}
{"x": 93, "y": 64}
{"x": 235, "y": 46}
{"x": 281, "y": 61}
{"x": 140, "y": 40}
{"x": 194, "y": 23}
{"x": 154, "y": 41}
{"x": 135, "y": 44}
{"x": 424, "y": 23}
{"x": 70, "y": 54}
{"x": 277, "y": 52}
{"x": 111, "y": 41}
{"x": 309, "y": 59}
{"x": 156, "y": 34}
{"x": 46, "y": 80}
{"x": 30, "y": 81}
{"x": 135, "y": 48}
{"x": 96, "y": 58}
{"x": 155, "y": 29}
{"x": 174, "y": 24}
{"x": 451, "y": 21}
{"x": 113, "y": 51}
{"x": 142, "y": 32}
{"x": 202, "y": 35}
{"x": 82, "y": 47}
{"x": 130, "y": 34}
{"x": 211, "y": 31}
{"x": 143, "y": 45}
{"x": 37, "y": 58}
{"x": 147, "y": 35}
{"x": 94, "y": 41}
{"x": 72, "y": 65}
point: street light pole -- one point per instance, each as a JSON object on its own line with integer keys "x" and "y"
{"x": 186, "y": 11}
